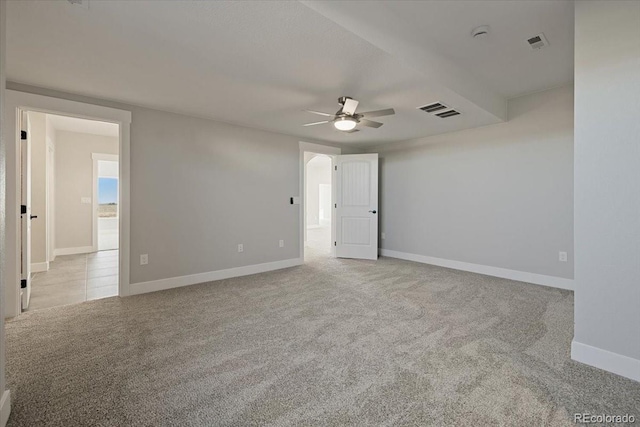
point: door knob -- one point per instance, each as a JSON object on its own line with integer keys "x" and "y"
{"x": 373, "y": 211}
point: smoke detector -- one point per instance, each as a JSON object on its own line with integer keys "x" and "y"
{"x": 81, "y": 3}
{"x": 480, "y": 32}
{"x": 538, "y": 42}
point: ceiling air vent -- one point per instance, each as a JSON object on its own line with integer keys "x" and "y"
{"x": 449, "y": 113}
{"x": 432, "y": 108}
{"x": 538, "y": 42}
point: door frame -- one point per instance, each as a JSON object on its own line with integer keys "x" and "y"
{"x": 17, "y": 101}
{"x": 50, "y": 202}
{"x": 327, "y": 150}
{"x": 94, "y": 227}
{"x": 25, "y": 173}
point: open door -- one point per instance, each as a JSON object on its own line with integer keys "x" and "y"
{"x": 357, "y": 206}
{"x": 25, "y": 210}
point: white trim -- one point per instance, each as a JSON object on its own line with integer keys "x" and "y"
{"x": 106, "y": 157}
{"x": 603, "y": 359}
{"x": 49, "y": 188}
{"x": 74, "y": 251}
{"x": 316, "y": 149}
{"x": 193, "y": 279}
{"x": 16, "y": 101}
{"x": 520, "y": 276}
{"x": 5, "y": 408}
{"x": 39, "y": 267}
{"x": 319, "y": 148}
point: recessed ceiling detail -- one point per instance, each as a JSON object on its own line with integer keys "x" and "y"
{"x": 260, "y": 64}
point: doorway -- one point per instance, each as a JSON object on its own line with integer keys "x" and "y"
{"x": 353, "y": 191}
{"x": 317, "y": 196}
{"x": 70, "y": 201}
{"x": 16, "y": 103}
{"x": 106, "y": 208}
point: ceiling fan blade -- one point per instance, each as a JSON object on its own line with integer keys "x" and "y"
{"x": 350, "y": 106}
{"x": 379, "y": 113}
{"x": 320, "y": 113}
{"x": 370, "y": 123}
{"x": 352, "y": 131}
{"x": 316, "y": 123}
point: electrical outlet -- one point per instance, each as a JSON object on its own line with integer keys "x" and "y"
{"x": 382, "y": 236}
{"x": 144, "y": 259}
{"x": 240, "y": 247}
{"x": 562, "y": 256}
{"x": 281, "y": 243}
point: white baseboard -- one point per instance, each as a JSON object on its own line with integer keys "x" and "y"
{"x": 193, "y": 279}
{"x": 520, "y": 276}
{"x": 39, "y": 267}
{"x": 74, "y": 251}
{"x": 5, "y": 408}
{"x": 613, "y": 362}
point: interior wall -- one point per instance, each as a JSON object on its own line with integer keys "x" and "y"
{"x": 73, "y": 182}
{"x": 4, "y": 394}
{"x": 499, "y": 196}
{"x": 318, "y": 172}
{"x": 38, "y": 122}
{"x": 199, "y": 188}
{"x": 607, "y": 185}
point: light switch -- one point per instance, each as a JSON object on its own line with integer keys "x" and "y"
{"x": 295, "y": 200}
{"x": 85, "y": 200}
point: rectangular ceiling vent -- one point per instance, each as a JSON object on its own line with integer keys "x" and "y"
{"x": 432, "y": 108}
{"x": 449, "y": 113}
{"x": 538, "y": 42}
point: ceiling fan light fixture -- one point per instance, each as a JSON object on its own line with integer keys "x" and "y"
{"x": 345, "y": 123}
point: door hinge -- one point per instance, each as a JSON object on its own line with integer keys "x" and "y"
{"x": 335, "y": 206}
{"x": 336, "y": 167}
{"x": 23, "y": 209}
{"x": 335, "y": 243}
{"x": 23, "y": 283}
{"x": 23, "y": 134}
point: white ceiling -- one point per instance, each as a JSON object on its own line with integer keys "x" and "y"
{"x": 260, "y": 64}
{"x": 93, "y": 127}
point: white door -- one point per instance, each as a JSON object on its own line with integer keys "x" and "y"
{"x": 357, "y": 206}
{"x": 25, "y": 210}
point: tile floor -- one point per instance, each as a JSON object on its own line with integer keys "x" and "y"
{"x": 76, "y": 278}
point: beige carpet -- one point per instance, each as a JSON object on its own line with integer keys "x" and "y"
{"x": 334, "y": 342}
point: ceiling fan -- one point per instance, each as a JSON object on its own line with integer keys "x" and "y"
{"x": 346, "y": 119}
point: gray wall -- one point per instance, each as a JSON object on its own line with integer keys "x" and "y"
{"x": 499, "y": 196}
{"x": 607, "y": 176}
{"x": 3, "y": 174}
{"x": 201, "y": 187}
{"x": 73, "y": 181}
